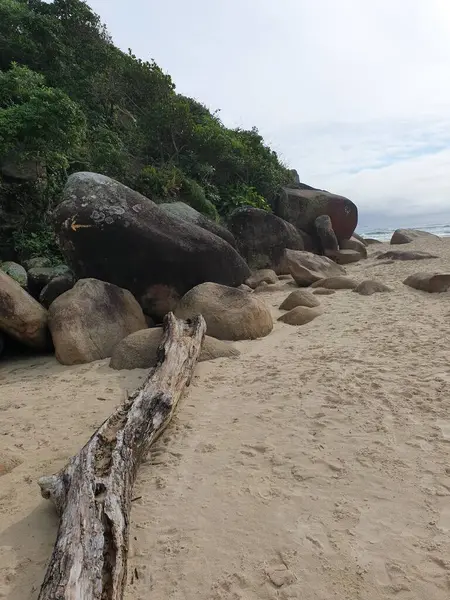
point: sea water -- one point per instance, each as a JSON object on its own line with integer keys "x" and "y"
{"x": 384, "y": 235}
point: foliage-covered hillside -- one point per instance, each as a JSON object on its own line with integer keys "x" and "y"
{"x": 72, "y": 100}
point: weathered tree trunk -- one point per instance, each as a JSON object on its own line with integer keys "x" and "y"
{"x": 93, "y": 492}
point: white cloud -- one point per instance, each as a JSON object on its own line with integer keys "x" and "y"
{"x": 355, "y": 94}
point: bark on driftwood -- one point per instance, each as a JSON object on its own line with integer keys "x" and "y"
{"x": 93, "y": 492}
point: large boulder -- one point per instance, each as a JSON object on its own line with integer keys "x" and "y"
{"x": 22, "y": 169}
{"x": 183, "y": 211}
{"x": 262, "y": 238}
{"x": 21, "y": 316}
{"x": 325, "y": 233}
{"x": 433, "y": 283}
{"x": 110, "y": 232}
{"x": 301, "y": 207}
{"x": 88, "y": 321}
{"x": 139, "y": 349}
{"x": 16, "y": 271}
{"x": 230, "y": 314}
{"x": 306, "y": 268}
{"x": 405, "y": 236}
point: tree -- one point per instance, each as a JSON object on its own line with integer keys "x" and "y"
{"x": 73, "y": 99}
{"x": 37, "y": 121}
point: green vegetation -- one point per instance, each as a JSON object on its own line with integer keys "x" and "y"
{"x": 70, "y": 100}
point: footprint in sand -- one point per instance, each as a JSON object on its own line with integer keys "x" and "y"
{"x": 8, "y": 462}
{"x": 444, "y": 426}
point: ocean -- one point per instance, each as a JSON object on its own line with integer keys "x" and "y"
{"x": 384, "y": 235}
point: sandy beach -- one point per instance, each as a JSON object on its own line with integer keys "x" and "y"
{"x": 314, "y": 466}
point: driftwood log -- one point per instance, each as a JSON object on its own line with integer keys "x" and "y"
{"x": 93, "y": 493}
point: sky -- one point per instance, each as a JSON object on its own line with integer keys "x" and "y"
{"x": 354, "y": 94}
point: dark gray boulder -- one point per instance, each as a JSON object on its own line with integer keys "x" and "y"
{"x": 328, "y": 239}
{"x": 185, "y": 212}
{"x": 262, "y": 238}
{"x": 56, "y": 287}
{"x": 109, "y": 232}
{"x": 39, "y": 277}
{"x": 301, "y": 207}
{"x": 37, "y": 262}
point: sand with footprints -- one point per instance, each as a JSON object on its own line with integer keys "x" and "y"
{"x": 314, "y": 466}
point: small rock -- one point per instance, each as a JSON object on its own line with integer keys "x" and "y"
{"x": 335, "y": 283}
{"x": 299, "y": 298}
{"x": 354, "y": 244}
{"x": 306, "y": 268}
{"x": 281, "y": 576}
{"x": 432, "y": 283}
{"x": 245, "y": 288}
{"x": 263, "y": 275}
{"x": 405, "y": 255}
{"x": 300, "y": 315}
{"x": 344, "y": 257}
{"x": 323, "y": 292}
{"x": 271, "y": 287}
{"x": 371, "y": 241}
{"x": 370, "y": 286}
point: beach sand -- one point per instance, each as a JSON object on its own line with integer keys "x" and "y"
{"x": 314, "y": 466}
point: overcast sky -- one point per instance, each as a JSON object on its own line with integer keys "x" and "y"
{"x": 354, "y": 94}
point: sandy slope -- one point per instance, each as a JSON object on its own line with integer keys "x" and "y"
{"x": 315, "y": 466}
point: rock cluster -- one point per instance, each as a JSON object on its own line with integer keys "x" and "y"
{"x": 129, "y": 261}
